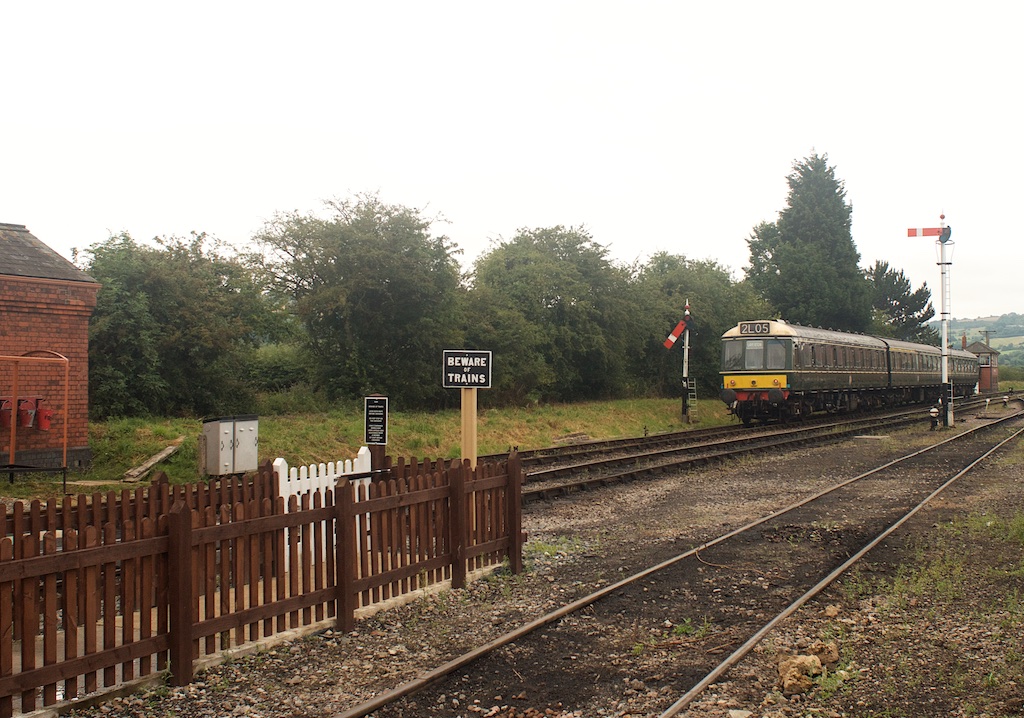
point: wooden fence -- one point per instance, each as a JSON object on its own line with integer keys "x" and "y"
{"x": 95, "y": 593}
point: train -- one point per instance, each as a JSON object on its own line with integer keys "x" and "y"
{"x": 776, "y": 371}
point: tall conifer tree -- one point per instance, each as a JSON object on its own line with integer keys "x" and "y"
{"x": 805, "y": 264}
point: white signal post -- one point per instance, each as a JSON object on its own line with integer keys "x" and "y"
{"x": 683, "y": 328}
{"x": 686, "y": 344}
{"x": 943, "y": 234}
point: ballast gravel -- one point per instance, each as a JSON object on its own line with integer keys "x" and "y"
{"x": 901, "y": 652}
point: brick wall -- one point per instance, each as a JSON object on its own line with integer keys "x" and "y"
{"x": 43, "y": 316}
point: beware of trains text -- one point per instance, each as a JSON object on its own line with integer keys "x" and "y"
{"x": 466, "y": 369}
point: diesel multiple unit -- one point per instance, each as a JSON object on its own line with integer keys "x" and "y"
{"x": 773, "y": 370}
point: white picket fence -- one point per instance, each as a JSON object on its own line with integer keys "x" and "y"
{"x": 300, "y": 480}
{"x": 315, "y": 478}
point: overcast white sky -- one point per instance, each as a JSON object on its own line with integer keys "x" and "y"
{"x": 656, "y": 125}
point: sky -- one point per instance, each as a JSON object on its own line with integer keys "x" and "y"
{"x": 656, "y": 126}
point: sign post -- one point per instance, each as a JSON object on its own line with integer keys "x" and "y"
{"x": 468, "y": 371}
{"x": 943, "y": 234}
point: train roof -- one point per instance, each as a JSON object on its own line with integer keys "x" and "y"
{"x": 778, "y": 328}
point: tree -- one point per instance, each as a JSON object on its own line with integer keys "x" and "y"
{"x": 556, "y": 313}
{"x": 805, "y": 264}
{"x": 899, "y": 312}
{"x": 378, "y": 294}
{"x": 173, "y": 327}
{"x": 664, "y": 284}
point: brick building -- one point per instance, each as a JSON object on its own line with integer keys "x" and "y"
{"x": 988, "y": 378}
{"x": 45, "y": 305}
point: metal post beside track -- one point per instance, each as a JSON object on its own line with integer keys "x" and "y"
{"x": 943, "y": 234}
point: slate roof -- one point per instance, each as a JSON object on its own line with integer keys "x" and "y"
{"x": 981, "y": 348}
{"x": 23, "y": 255}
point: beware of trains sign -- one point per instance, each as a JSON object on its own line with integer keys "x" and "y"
{"x": 466, "y": 369}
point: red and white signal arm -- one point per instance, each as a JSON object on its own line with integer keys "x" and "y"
{"x": 466, "y": 369}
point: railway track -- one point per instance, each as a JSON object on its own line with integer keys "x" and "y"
{"x": 599, "y": 464}
{"x": 580, "y": 452}
{"x": 725, "y": 594}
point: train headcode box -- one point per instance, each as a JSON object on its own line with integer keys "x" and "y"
{"x": 466, "y": 369}
{"x": 375, "y": 414}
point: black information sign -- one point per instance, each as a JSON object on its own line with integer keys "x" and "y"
{"x": 466, "y": 370}
{"x": 376, "y": 416}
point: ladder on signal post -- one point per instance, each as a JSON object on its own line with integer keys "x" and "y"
{"x": 690, "y": 407}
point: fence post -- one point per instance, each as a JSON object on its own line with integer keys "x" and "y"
{"x": 345, "y": 555}
{"x": 457, "y": 522}
{"x": 514, "y": 502}
{"x": 179, "y": 558}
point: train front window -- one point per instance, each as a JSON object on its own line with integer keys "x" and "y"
{"x": 732, "y": 355}
{"x": 755, "y": 354}
{"x": 775, "y": 354}
{"x": 753, "y": 357}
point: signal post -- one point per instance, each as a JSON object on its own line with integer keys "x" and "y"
{"x": 683, "y": 328}
{"x": 943, "y": 234}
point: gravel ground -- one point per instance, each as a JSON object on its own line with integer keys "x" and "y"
{"x": 933, "y": 625}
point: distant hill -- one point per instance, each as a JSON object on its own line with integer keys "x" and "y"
{"x": 1005, "y": 335}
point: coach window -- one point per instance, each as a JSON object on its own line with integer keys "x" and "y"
{"x": 775, "y": 354}
{"x": 798, "y": 356}
{"x": 753, "y": 358}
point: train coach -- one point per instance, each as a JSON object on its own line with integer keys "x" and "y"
{"x": 773, "y": 370}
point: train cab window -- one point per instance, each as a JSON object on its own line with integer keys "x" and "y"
{"x": 753, "y": 356}
{"x": 775, "y": 354}
{"x": 732, "y": 355}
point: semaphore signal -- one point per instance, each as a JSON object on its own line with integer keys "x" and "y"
{"x": 943, "y": 233}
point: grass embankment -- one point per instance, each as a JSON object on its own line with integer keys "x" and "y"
{"x": 313, "y": 438}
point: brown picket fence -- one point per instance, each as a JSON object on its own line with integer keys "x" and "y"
{"x": 103, "y": 590}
